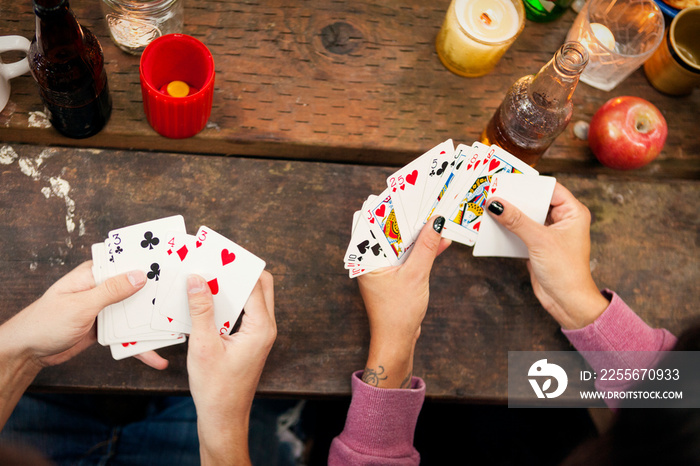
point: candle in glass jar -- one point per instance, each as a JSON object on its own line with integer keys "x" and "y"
{"x": 476, "y": 33}
{"x": 619, "y": 36}
{"x": 604, "y": 35}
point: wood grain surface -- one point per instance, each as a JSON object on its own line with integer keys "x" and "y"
{"x": 349, "y": 81}
{"x": 56, "y": 202}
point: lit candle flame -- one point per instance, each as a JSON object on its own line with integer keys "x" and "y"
{"x": 604, "y": 35}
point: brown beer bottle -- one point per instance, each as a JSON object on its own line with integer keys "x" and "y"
{"x": 536, "y": 109}
{"x": 66, "y": 61}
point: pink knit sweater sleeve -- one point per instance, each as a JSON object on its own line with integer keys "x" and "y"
{"x": 620, "y": 339}
{"x": 380, "y": 426}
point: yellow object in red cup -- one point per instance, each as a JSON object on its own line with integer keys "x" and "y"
{"x": 178, "y": 89}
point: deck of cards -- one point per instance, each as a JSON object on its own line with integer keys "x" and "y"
{"x": 158, "y": 315}
{"x": 454, "y": 183}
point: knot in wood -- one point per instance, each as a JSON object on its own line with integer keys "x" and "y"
{"x": 341, "y": 38}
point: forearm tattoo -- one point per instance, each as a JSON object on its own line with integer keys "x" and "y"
{"x": 372, "y": 377}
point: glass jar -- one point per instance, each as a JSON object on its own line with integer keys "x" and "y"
{"x": 133, "y": 24}
{"x": 476, "y": 33}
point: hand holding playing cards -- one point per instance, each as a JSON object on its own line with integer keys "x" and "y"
{"x": 224, "y": 370}
{"x": 59, "y": 325}
{"x": 559, "y": 257}
{"x": 396, "y": 299}
{"x": 56, "y": 327}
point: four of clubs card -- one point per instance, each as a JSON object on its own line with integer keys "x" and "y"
{"x": 456, "y": 184}
{"x": 158, "y": 315}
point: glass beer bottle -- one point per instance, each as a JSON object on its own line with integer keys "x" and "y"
{"x": 536, "y": 109}
{"x": 66, "y": 61}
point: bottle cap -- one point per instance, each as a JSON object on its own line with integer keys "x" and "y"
{"x": 42, "y": 7}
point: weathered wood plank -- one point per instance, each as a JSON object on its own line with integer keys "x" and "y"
{"x": 288, "y": 88}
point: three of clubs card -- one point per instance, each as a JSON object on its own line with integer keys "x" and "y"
{"x": 158, "y": 315}
{"x": 454, "y": 182}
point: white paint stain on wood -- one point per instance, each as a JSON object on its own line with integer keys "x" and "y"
{"x": 58, "y": 187}
{"x": 32, "y": 166}
{"x": 61, "y": 189}
{"x": 7, "y": 155}
{"x": 38, "y": 120}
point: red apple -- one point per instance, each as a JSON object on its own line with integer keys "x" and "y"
{"x": 627, "y": 132}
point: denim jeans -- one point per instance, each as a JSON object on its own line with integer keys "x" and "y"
{"x": 131, "y": 430}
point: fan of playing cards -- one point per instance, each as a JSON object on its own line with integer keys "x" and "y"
{"x": 453, "y": 183}
{"x": 158, "y": 315}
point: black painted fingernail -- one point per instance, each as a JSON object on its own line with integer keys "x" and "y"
{"x": 438, "y": 224}
{"x": 496, "y": 207}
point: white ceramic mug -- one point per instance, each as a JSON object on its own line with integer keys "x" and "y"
{"x": 11, "y": 70}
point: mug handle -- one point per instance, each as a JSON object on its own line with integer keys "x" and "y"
{"x": 21, "y": 44}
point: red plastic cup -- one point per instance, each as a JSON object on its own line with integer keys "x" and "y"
{"x": 177, "y": 57}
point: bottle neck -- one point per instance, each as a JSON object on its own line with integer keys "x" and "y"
{"x": 555, "y": 83}
{"x": 56, "y": 25}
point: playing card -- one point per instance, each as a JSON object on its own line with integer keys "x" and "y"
{"x": 531, "y": 194}
{"x": 132, "y": 348}
{"x": 407, "y": 185}
{"x": 381, "y": 219}
{"x": 464, "y": 221}
{"x": 179, "y": 246}
{"x": 437, "y": 186}
{"x": 115, "y": 312}
{"x": 98, "y": 266}
{"x": 98, "y": 255}
{"x": 142, "y": 246}
{"x": 230, "y": 271}
{"x": 353, "y": 256}
{"x": 115, "y": 257}
{"x": 364, "y": 249}
{"x": 447, "y": 184}
{"x": 364, "y": 260}
{"x": 119, "y": 331}
{"x": 474, "y": 157}
{"x": 108, "y": 259}
{"x": 365, "y": 252}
